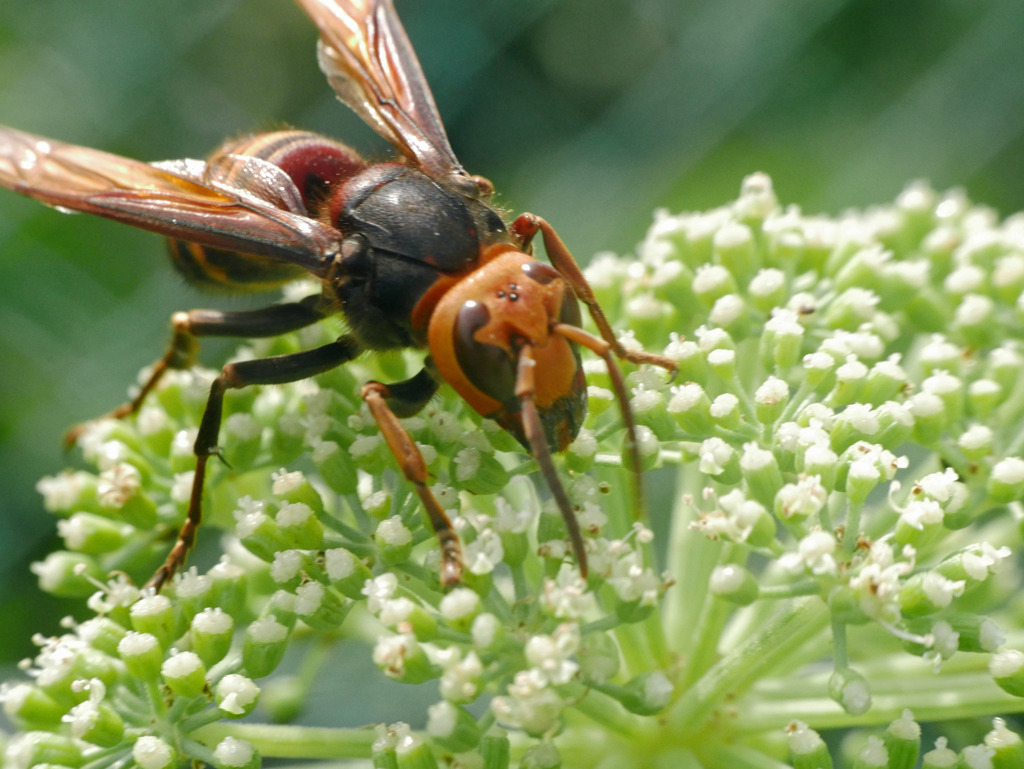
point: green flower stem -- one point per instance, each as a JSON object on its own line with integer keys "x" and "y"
{"x": 199, "y": 751}
{"x": 929, "y": 697}
{"x": 607, "y": 711}
{"x": 607, "y": 622}
{"x": 275, "y": 741}
{"x": 780, "y": 638}
{"x": 654, "y": 630}
{"x": 691, "y": 558}
{"x": 520, "y": 582}
{"x": 851, "y": 531}
{"x": 634, "y": 647}
{"x": 740, "y": 757}
{"x": 707, "y": 631}
{"x": 200, "y": 719}
{"x": 792, "y": 590}
{"x": 840, "y": 654}
{"x": 107, "y": 757}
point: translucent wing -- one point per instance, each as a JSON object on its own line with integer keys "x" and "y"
{"x": 175, "y": 198}
{"x": 368, "y": 60}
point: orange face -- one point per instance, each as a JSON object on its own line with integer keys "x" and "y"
{"x": 476, "y": 331}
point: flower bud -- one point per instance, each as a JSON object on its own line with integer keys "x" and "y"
{"x": 731, "y": 313}
{"x": 264, "y": 646}
{"x": 929, "y": 418}
{"x": 733, "y": 247}
{"x": 242, "y": 434}
{"x": 300, "y": 527}
{"x": 850, "y": 689}
{"x": 488, "y": 632}
{"x": 723, "y": 362}
{"x": 185, "y": 674}
{"x": 31, "y": 707}
{"x": 806, "y": 747}
{"x": 413, "y": 753}
{"x": 401, "y": 657}
{"x": 735, "y": 584}
{"x": 319, "y": 607}
{"x": 691, "y": 408}
{"x": 460, "y": 607}
{"x": 645, "y": 694}
{"x": 767, "y": 289}
{"x": 761, "y": 471}
{"x": 287, "y": 439}
{"x": 258, "y": 532}
{"x": 975, "y": 319}
{"x": 976, "y": 442}
{"x": 394, "y": 540}
{"x": 543, "y": 755}
{"x": 68, "y": 575}
{"x": 940, "y": 758}
{"x": 1007, "y": 668}
{"x": 229, "y": 587}
{"x": 142, "y": 655}
{"x": 1006, "y": 482}
{"x": 295, "y": 488}
{"x": 154, "y": 615}
{"x": 236, "y": 695}
{"x": 478, "y": 471}
{"x": 983, "y": 396}
{"x": 36, "y": 748}
{"x": 873, "y": 755}
{"x": 495, "y": 749}
{"x": 902, "y": 741}
{"x": 96, "y": 722}
{"x": 91, "y": 534}
{"x": 233, "y": 753}
{"x": 648, "y": 446}
{"x": 1005, "y": 744}
{"x": 336, "y": 467}
{"x": 347, "y": 573}
{"x": 770, "y": 399}
{"x": 452, "y": 727}
{"x": 153, "y": 753}
{"x": 211, "y": 634}
{"x": 712, "y": 281}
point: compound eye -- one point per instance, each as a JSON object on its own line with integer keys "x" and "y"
{"x": 488, "y": 367}
{"x": 569, "y": 313}
{"x": 540, "y": 272}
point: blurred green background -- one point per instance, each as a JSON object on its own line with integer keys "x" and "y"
{"x": 590, "y": 112}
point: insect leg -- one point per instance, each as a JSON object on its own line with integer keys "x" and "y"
{"x": 187, "y": 327}
{"x": 603, "y": 348}
{"x": 525, "y": 227}
{"x": 525, "y": 391}
{"x": 279, "y": 369}
{"x": 385, "y": 403}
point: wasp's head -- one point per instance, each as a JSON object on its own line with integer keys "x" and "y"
{"x": 481, "y": 326}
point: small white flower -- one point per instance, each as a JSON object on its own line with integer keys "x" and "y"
{"x": 566, "y": 596}
{"x": 922, "y": 512}
{"x": 483, "y": 554}
{"x": 714, "y": 454}
{"x": 984, "y": 559}
{"x": 939, "y": 590}
{"x": 814, "y": 553}
{"x": 461, "y": 678}
{"x": 878, "y": 580}
{"x": 531, "y": 704}
{"x": 378, "y": 590}
{"x": 805, "y": 497}
{"x": 236, "y": 693}
{"x": 552, "y": 654}
{"x": 116, "y": 485}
